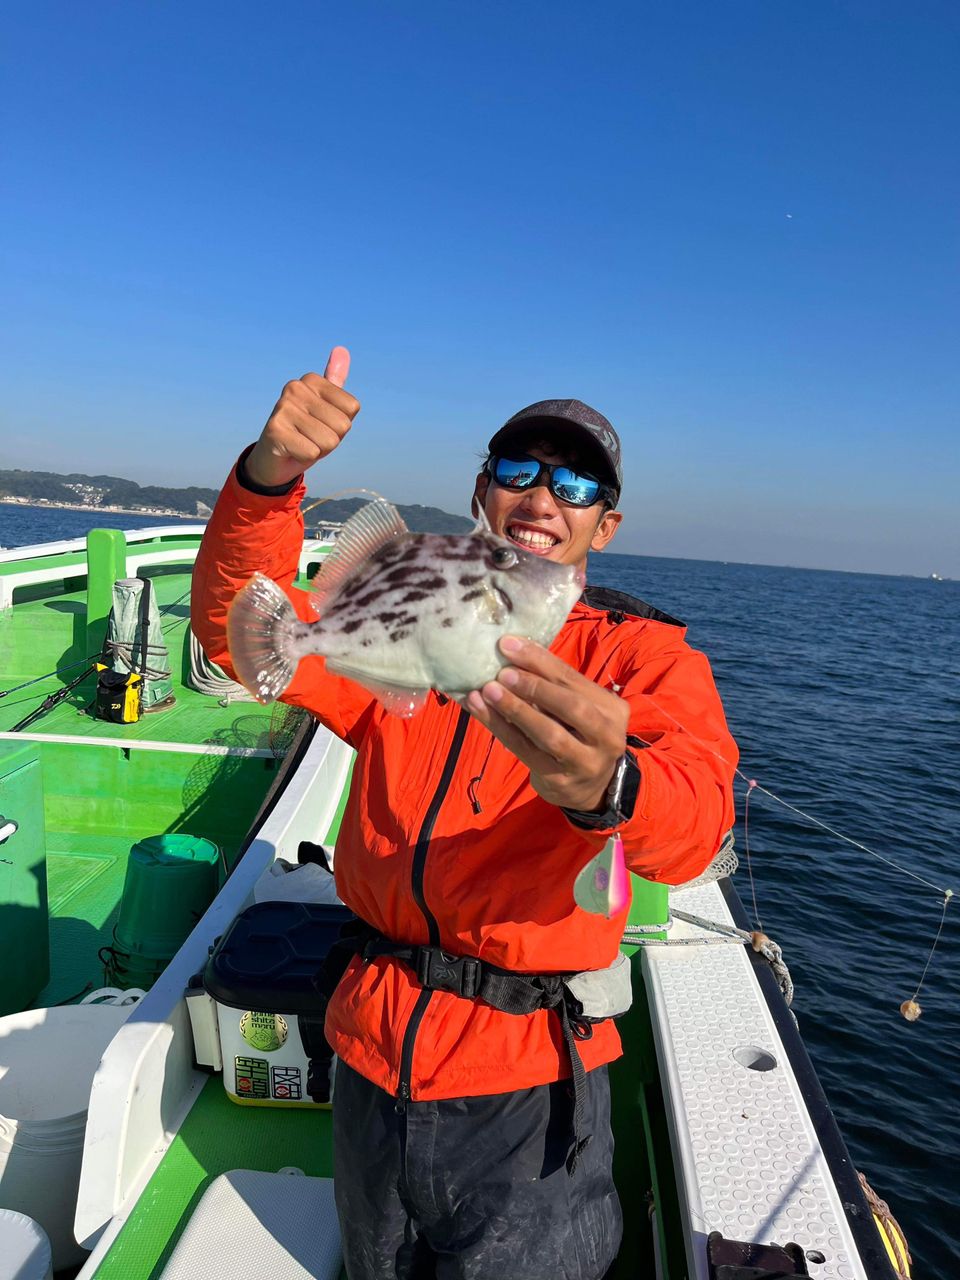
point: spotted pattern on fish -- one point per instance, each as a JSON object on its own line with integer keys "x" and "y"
{"x": 421, "y": 611}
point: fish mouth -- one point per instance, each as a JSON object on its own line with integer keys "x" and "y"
{"x": 539, "y": 542}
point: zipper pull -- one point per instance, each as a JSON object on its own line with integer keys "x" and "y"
{"x": 403, "y": 1097}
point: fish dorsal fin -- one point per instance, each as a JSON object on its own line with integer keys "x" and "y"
{"x": 369, "y": 529}
{"x": 478, "y": 513}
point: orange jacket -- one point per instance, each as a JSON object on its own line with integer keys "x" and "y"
{"x": 443, "y": 832}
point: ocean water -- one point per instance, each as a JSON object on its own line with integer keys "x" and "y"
{"x": 842, "y": 691}
{"x": 22, "y": 526}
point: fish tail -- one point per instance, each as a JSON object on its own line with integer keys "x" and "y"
{"x": 266, "y": 638}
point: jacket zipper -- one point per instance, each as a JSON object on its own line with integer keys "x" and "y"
{"x": 417, "y": 876}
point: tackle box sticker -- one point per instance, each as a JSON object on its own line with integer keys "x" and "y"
{"x": 252, "y": 1077}
{"x": 287, "y": 1083}
{"x": 263, "y": 1031}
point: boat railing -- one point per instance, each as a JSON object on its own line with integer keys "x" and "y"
{"x": 42, "y": 549}
{"x": 52, "y": 562}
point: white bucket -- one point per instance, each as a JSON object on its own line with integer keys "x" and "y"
{"x": 47, "y": 1061}
{"x": 24, "y": 1248}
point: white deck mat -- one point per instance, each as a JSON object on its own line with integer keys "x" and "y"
{"x": 750, "y": 1162}
{"x": 251, "y": 1225}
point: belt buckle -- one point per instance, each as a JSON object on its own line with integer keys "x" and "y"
{"x": 440, "y": 971}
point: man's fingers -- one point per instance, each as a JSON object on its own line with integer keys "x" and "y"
{"x": 322, "y": 391}
{"x": 562, "y": 702}
{"x": 338, "y": 366}
{"x": 537, "y": 761}
{"x": 534, "y": 657}
{"x": 545, "y": 733}
{"x": 305, "y": 442}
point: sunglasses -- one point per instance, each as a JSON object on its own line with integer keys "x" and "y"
{"x": 578, "y": 488}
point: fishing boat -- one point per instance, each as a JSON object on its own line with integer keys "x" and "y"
{"x": 203, "y": 1149}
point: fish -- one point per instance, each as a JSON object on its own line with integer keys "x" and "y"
{"x": 402, "y": 613}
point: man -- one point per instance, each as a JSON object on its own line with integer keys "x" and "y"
{"x": 461, "y": 1147}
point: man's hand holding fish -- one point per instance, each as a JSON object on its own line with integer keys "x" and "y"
{"x": 520, "y": 735}
{"x": 568, "y": 731}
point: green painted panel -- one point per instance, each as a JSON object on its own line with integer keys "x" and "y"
{"x": 24, "y": 944}
{"x": 106, "y": 562}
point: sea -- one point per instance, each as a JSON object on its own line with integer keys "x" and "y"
{"x": 842, "y": 691}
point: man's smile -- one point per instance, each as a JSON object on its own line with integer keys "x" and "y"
{"x": 531, "y": 538}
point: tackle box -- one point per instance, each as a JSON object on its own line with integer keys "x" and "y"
{"x": 255, "y": 1009}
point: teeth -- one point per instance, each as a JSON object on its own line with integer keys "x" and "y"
{"x": 531, "y": 539}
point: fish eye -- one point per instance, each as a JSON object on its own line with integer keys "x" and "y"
{"x": 504, "y": 558}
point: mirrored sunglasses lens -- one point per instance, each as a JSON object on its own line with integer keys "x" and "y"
{"x": 580, "y": 490}
{"x": 516, "y": 473}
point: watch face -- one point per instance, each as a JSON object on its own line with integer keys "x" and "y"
{"x": 627, "y": 783}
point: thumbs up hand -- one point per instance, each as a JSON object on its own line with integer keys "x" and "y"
{"x": 309, "y": 420}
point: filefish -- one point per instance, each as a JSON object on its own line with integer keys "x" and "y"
{"x": 402, "y": 613}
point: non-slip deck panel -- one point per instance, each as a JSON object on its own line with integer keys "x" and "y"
{"x": 216, "y": 1136}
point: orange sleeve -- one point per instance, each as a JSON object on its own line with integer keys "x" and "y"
{"x": 250, "y": 533}
{"x": 685, "y": 803}
{"x": 684, "y": 806}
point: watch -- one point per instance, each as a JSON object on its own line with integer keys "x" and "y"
{"x": 621, "y": 798}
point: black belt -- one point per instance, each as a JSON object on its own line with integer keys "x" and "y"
{"x": 474, "y": 979}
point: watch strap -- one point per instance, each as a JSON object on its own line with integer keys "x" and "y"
{"x": 621, "y": 798}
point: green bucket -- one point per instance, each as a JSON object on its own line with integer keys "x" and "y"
{"x": 170, "y": 882}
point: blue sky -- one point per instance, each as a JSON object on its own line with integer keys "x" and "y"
{"x": 733, "y": 228}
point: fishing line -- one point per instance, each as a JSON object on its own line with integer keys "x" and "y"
{"x": 910, "y": 1009}
{"x": 746, "y": 844}
{"x": 753, "y": 784}
{"x": 343, "y": 493}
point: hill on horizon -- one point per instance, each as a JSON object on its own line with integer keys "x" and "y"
{"x": 101, "y": 491}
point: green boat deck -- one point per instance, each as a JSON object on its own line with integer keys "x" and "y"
{"x": 197, "y": 767}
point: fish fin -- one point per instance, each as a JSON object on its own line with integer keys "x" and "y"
{"x": 262, "y": 635}
{"x": 399, "y": 701}
{"x": 367, "y": 530}
{"x": 602, "y": 887}
{"x": 483, "y": 524}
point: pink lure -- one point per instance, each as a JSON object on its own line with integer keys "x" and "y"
{"x": 602, "y": 887}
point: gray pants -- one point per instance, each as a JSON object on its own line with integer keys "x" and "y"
{"x": 474, "y": 1188}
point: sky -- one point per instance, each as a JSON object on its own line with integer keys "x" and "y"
{"x": 732, "y": 228}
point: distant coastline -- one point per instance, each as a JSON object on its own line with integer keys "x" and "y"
{"x": 86, "y": 506}
{"x": 114, "y": 496}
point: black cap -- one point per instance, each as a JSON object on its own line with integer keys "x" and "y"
{"x": 570, "y": 414}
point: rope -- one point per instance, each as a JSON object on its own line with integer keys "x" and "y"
{"x": 635, "y": 935}
{"x": 124, "y": 651}
{"x": 890, "y": 1229}
{"x": 206, "y": 677}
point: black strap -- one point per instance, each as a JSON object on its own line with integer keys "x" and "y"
{"x": 319, "y": 1054}
{"x": 315, "y": 1044}
{"x": 144, "y": 624}
{"x": 474, "y": 979}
